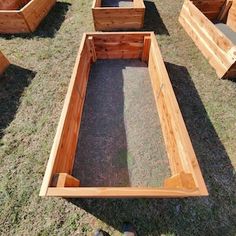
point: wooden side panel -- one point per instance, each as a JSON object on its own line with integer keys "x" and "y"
{"x": 178, "y": 145}
{"x": 108, "y": 19}
{"x": 123, "y": 192}
{"x": 118, "y": 46}
{"x": 62, "y": 155}
{"x": 210, "y": 8}
{"x": 35, "y": 12}
{"x": 4, "y": 63}
{"x": 231, "y": 20}
{"x": 66, "y": 151}
{"x": 12, "y": 22}
{"x": 212, "y": 43}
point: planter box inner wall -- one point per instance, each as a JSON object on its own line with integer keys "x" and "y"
{"x": 115, "y": 139}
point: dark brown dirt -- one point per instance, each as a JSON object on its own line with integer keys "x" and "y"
{"x": 120, "y": 142}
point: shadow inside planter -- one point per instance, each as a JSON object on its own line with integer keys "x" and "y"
{"x": 212, "y": 215}
{"x": 12, "y": 84}
{"x": 49, "y": 25}
{"x": 153, "y": 20}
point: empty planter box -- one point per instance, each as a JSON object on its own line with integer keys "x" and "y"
{"x": 212, "y": 26}
{"x": 108, "y": 142}
{"x": 23, "y": 16}
{"x": 118, "y": 15}
{"x": 4, "y": 63}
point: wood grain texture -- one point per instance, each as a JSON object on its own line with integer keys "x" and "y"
{"x": 182, "y": 159}
{"x": 118, "y": 18}
{"x": 27, "y": 19}
{"x": 213, "y": 44}
{"x": 4, "y": 63}
{"x": 231, "y": 19}
{"x": 64, "y": 180}
{"x": 124, "y": 192}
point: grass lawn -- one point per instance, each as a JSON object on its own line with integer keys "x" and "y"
{"x": 31, "y": 99}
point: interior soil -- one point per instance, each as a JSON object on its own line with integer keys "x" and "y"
{"x": 120, "y": 141}
{"x": 117, "y": 3}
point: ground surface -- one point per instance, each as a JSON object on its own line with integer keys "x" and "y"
{"x": 120, "y": 142}
{"x": 31, "y": 98}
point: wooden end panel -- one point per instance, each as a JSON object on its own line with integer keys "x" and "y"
{"x": 4, "y": 63}
{"x": 119, "y": 46}
{"x": 64, "y": 180}
{"x": 178, "y": 145}
{"x": 110, "y": 19}
{"x": 12, "y": 22}
{"x": 35, "y": 12}
{"x": 123, "y": 192}
{"x": 231, "y": 20}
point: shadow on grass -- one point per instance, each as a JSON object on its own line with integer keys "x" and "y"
{"x": 12, "y": 85}
{"x": 153, "y": 21}
{"x": 50, "y": 24}
{"x": 212, "y": 215}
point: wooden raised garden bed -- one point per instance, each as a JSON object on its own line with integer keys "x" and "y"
{"x": 4, "y": 63}
{"x": 212, "y": 26}
{"x": 185, "y": 178}
{"x": 118, "y": 15}
{"x": 23, "y": 16}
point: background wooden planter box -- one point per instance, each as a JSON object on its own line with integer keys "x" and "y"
{"x": 118, "y": 18}
{"x": 4, "y": 63}
{"x": 186, "y": 177}
{"x": 26, "y": 19}
{"x": 217, "y": 41}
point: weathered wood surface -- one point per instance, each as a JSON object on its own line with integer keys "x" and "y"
{"x": 213, "y": 44}
{"x": 117, "y": 18}
{"x": 4, "y": 63}
{"x": 26, "y": 19}
{"x": 186, "y": 177}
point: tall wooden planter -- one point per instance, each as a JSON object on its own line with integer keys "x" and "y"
{"x": 200, "y": 20}
{"x": 4, "y": 63}
{"x": 26, "y": 19}
{"x": 118, "y": 18}
{"x": 186, "y": 177}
